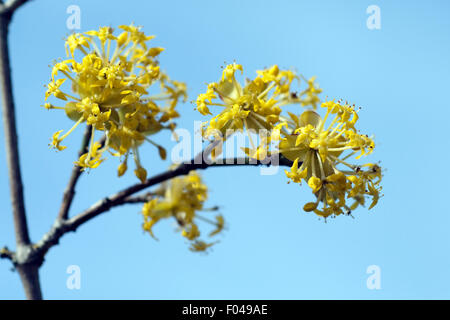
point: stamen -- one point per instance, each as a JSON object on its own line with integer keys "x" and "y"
{"x": 115, "y": 54}
{"x": 322, "y": 172}
{"x": 96, "y": 49}
{"x": 332, "y": 123}
{"x": 160, "y": 96}
{"x": 249, "y": 134}
{"x": 339, "y": 149}
{"x": 72, "y": 97}
{"x": 91, "y": 146}
{"x": 136, "y": 156}
{"x": 216, "y": 104}
{"x": 67, "y": 75}
{"x": 322, "y": 123}
{"x": 341, "y": 161}
{"x": 335, "y": 129}
{"x": 349, "y": 155}
{"x": 262, "y": 94}
{"x": 82, "y": 50}
{"x": 313, "y": 164}
{"x": 71, "y": 129}
{"x": 108, "y": 50}
{"x": 206, "y": 220}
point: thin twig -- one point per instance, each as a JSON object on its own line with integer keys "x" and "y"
{"x": 60, "y": 228}
{"x": 11, "y": 6}
{"x": 116, "y": 199}
{"x": 69, "y": 192}
{"x": 142, "y": 198}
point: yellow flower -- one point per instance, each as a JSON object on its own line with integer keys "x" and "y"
{"x": 103, "y": 34}
{"x": 256, "y": 105}
{"x": 61, "y": 67}
{"x": 296, "y": 175}
{"x": 191, "y": 232}
{"x": 48, "y": 106}
{"x": 198, "y": 246}
{"x": 315, "y": 184}
{"x": 228, "y": 72}
{"x": 181, "y": 198}
{"x": 53, "y": 89}
{"x": 76, "y": 41}
{"x": 220, "y": 223}
{"x": 91, "y": 159}
{"x": 56, "y": 140}
{"x": 111, "y": 77}
{"x": 323, "y": 150}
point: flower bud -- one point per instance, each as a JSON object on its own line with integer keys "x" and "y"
{"x": 141, "y": 173}
{"x": 121, "y": 169}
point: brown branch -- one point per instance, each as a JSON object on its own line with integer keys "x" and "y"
{"x": 69, "y": 192}
{"x": 29, "y": 270}
{"x": 11, "y": 140}
{"x": 10, "y": 6}
{"x": 124, "y": 196}
{"x": 142, "y": 198}
{"x": 29, "y": 274}
{"x": 116, "y": 199}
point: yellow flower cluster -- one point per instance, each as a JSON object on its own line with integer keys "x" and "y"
{"x": 255, "y": 105}
{"x": 181, "y": 198}
{"x": 110, "y": 86}
{"x": 319, "y": 152}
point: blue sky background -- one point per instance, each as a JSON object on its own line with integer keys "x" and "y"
{"x": 272, "y": 249}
